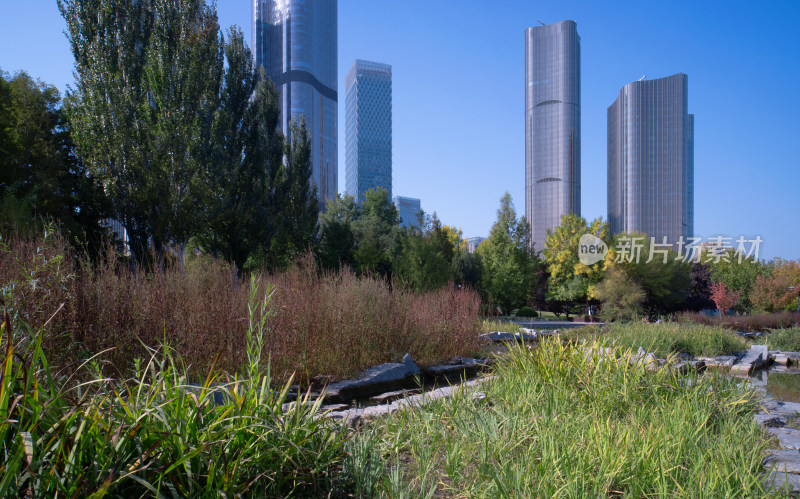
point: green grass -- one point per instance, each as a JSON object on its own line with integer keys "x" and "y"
{"x": 787, "y": 340}
{"x": 556, "y": 423}
{"x": 664, "y": 339}
{"x": 154, "y": 434}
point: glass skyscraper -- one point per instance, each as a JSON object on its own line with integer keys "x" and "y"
{"x": 552, "y": 126}
{"x": 296, "y": 42}
{"x": 368, "y": 128}
{"x": 651, "y": 160}
{"x": 408, "y": 209}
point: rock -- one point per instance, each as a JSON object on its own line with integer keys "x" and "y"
{"x": 334, "y": 407}
{"x": 389, "y": 396}
{"x": 458, "y": 366}
{"x": 751, "y": 360}
{"x": 374, "y": 380}
{"x": 412, "y": 366}
{"x": 769, "y": 420}
{"x": 782, "y": 359}
{"x": 783, "y": 461}
{"x": 650, "y": 362}
{"x": 505, "y": 337}
{"x": 788, "y": 437}
{"x": 478, "y": 397}
{"x": 782, "y": 481}
{"x": 778, "y": 408}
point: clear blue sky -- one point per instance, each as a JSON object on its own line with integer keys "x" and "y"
{"x": 458, "y": 97}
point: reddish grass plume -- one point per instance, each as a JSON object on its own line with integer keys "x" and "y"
{"x": 331, "y": 324}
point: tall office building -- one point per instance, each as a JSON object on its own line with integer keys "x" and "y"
{"x": 552, "y": 126}
{"x": 408, "y": 209}
{"x": 296, "y": 42}
{"x": 651, "y": 159}
{"x": 368, "y": 128}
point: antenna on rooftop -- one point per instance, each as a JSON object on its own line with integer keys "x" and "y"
{"x": 642, "y": 78}
{"x": 540, "y": 22}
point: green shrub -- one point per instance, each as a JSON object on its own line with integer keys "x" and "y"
{"x": 155, "y": 434}
{"x": 787, "y": 340}
{"x": 527, "y": 312}
{"x": 664, "y": 339}
{"x": 556, "y": 422}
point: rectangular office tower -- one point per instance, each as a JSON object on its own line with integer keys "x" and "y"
{"x": 296, "y": 42}
{"x": 552, "y": 126}
{"x": 368, "y": 128}
{"x": 408, "y": 209}
{"x": 651, "y": 160}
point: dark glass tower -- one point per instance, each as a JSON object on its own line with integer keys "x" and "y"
{"x": 651, "y": 159}
{"x": 552, "y": 126}
{"x": 368, "y": 128}
{"x": 296, "y": 42}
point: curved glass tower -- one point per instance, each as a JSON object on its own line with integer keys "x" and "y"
{"x": 296, "y": 42}
{"x": 552, "y": 126}
{"x": 651, "y": 160}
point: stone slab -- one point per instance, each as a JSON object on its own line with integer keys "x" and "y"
{"x": 788, "y": 437}
{"x": 783, "y": 461}
{"x": 506, "y": 337}
{"x": 781, "y": 481}
{"x": 752, "y": 359}
{"x": 769, "y": 420}
{"x": 389, "y": 396}
{"x": 374, "y": 380}
{"x": 778, "y": 408}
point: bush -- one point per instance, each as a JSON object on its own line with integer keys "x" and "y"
{"x": 155, "y": 434}
{"x": 787, "y": 340}
{"x": 664, "y": 339}
{"x": 556, "y": 422}
{"x": 762, "y": 322}
{"x": 527, "y": 312}
{"x": 331, "y": 323}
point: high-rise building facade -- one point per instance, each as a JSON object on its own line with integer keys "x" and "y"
{"x": 296, "y": 42}
{"x": 651, "y": 160}
{"x": 552, "y": 126}
{"x": 368, "y": 128}
{"x": 408, "y": 209}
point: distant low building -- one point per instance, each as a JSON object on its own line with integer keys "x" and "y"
{"x": 473, "y": 242}
{"x": 408, "y": 209}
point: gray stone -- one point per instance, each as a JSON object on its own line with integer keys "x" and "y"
{"x": 778, "y": 408}
{"x": 411, "y": 366}
{"x": 769, "y": 420}
{"x": 334, "y": 407}
{"x": 751, "y": 360}
{"x": 724, "y": 361}
{"x": 478, "y": 397}
{"x": 781, "y": 358}
{"x": 374, "y": 380}
{"x": 783, "y": 461}
{"x": 389, "y": 396}
{"x": 505, "y": 337}
{"x": 788, "y": 438}
{"x": 781, "y": 481}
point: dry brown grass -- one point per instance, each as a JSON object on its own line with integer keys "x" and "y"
{"x": 333, "y": 323}
{"x": 760, "y": 322}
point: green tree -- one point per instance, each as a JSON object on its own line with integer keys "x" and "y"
{"x": 337, "y": 240}
{"x": 570, "y": 281}
{"x": 621, "y": 297}
{"x": 665, "y": 278}
{"x": 377, "y": 233}
{"x": 109, "y": 40}
{"x": 426, "y": 259}
{"x": 297, "y": 213}
{"x": 509, "y": 266}
{"x": 184, "y": 63}
{"x": 247, "y": 173}
{"x": 40, "y": 175}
